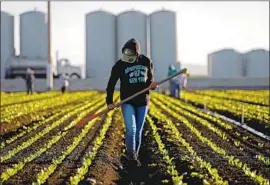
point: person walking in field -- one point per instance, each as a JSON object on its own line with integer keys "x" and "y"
{"x": 135, "y": 72}
{"x": 64, "y": 82}
{"x": 29, "y": 79}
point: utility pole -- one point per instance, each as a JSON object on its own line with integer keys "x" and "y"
{"x": 49, "y": 66}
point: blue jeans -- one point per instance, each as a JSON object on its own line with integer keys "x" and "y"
{"x": 29, "y": 88}
{"x": 175, "y": 89}
{"x": 134, "y": 118}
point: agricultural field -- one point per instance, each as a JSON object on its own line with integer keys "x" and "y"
{"x": 181, "y": 143}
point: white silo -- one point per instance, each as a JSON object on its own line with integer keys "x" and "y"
{"x": 131, "y": 24}
{"x": 163, "y": 41}
{"x": 100, "y": 44}
{"x": 33, "y": 35}
{"x": 257, "y": 63}
{"x": 7, "y": 39}
{"x": 226, "y": 63}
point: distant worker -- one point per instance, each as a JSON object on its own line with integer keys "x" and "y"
{"x": 183, "y": 83}
{"x": 29, "y": 78}
{"x": 174, "y": 82}
{"x": 177, "y": 83}
{"x": 64, "y": 82}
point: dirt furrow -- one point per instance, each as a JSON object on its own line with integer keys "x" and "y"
{"x": 231, "y": 174}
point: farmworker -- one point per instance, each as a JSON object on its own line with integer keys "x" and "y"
{"x": 29, "y": 78}
{"x": 177, "y": 83}
{"x": 174, "y": 82}
{"x": 183, "y": 82}
{"x": 135, "y": 72}
{"x": 64, "y": 82}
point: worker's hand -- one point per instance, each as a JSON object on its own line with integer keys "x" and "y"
{"x": 111, "y": 106}
{"x": 153, "y": 85}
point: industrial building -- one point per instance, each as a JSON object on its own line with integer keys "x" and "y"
{"x": 156, "y": 34}
{"x": 228, "y": 63}
{"x": 33, "y": 35}
{"x": 7, "y": 39}
{"x": 106, "y": 34}
{"x": 100, "y": 44}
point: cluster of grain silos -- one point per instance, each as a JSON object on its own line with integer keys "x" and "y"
{"x": 106, "y": 34}
{"x": 7, "y": 39}
{"x": 228, "y": 63}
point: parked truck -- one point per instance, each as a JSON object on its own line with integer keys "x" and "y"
{"x": 16, "y": 67}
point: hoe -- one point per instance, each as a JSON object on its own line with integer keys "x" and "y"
{"x": 93, "y": 116}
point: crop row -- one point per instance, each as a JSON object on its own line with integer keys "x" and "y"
{"x": 191, "y": 112}
{"x": 232, "y": 160}
{"x": 250, "y": 111}
{"x": 11, "y": 112}
{"x": 259, "y": 97}
{"x": 79, "y": 113}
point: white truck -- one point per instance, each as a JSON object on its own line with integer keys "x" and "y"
{"x": 16, "y": 67}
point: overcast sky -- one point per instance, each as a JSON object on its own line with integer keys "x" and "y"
{"x": 202, "y": 27}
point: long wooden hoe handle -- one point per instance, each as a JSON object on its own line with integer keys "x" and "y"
{"x": 93, "y": 116}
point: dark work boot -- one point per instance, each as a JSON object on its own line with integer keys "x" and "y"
{"x": 132, "y": 159}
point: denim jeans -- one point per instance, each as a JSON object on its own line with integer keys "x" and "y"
{"x": 29, "y": 88}
{"x": 175, "y": 89}
{"x": 134, "y": 118}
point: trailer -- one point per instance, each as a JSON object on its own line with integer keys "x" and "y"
{"x": 16, "y": 67}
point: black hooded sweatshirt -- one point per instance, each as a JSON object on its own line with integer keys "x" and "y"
{"x": 134, "y": 77}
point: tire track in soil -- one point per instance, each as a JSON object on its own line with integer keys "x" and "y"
{"x": 233, "y": 175}
{"x": 248, "y": 149}
{"x": 106, "y": 164}
{"x": 27, "y": 175}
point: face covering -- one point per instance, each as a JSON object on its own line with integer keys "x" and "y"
{"x": 129, "y": 56}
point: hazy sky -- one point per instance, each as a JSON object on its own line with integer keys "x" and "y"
{"x": 202, "y": 27}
